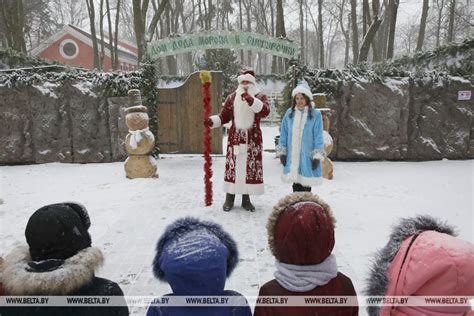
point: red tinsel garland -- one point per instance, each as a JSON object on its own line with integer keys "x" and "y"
{"x": 206, "y": 91}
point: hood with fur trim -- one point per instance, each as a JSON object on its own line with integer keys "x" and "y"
{"x": 410, "y": 238}
{"x": 195, "y": 257}
{"x": 22, "y": 276}
{"x": 301, "y": 229}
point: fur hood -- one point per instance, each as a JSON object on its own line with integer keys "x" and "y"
{"x": 20, "y": 278}
{"x": 288, "y": 201}
{"x": 190, "y": 224}
{"x": 378, "y": 280}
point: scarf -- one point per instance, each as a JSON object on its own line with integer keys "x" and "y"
{"x": 297, "y": 278}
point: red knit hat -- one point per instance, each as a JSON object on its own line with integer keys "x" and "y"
{"x": 301, "y": 230}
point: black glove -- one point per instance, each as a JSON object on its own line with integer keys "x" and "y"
{"x": 283, "y": 160}
{"x": 315, "y": 163}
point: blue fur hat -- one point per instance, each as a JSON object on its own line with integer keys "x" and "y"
{"x": 303, "y": 88}
{"x": 189, "y": 224}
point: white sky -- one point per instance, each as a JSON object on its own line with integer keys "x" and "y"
{"x": 408, "y": 9}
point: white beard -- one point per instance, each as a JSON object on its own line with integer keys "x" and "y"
{"x": 243, "y": 114}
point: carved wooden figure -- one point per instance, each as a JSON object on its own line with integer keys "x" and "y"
{"x": 139, "y": 142}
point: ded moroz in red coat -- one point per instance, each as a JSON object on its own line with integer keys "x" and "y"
{"x": 243, "y": 166}
{"x": 301, "y": 237}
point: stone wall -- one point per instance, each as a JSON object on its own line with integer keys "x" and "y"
{"x": 395, "y": 120}
{"x": 401, "y": 120}
{"x": 52, "y": 123}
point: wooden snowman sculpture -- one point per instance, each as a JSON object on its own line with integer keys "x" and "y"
{"x": 139, "y": 142}
{"x": 328, "y": 168}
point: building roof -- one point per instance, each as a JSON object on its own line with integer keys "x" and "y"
{"x": 85, "y": 37}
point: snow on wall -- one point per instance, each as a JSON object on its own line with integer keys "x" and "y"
{"x": 395, "y": 84}
{"x": 168, "y": 84}
{"x": 47, "y": 89}
{"x": 86, "y": 88}
{"x": 363, "y": 125}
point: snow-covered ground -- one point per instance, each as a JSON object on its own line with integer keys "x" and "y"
{"x": 128, "y": 216}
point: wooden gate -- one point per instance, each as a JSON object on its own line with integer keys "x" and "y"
{"x": 180, "y": 115}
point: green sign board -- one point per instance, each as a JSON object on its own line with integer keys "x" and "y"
{"x": 224, "y": 39}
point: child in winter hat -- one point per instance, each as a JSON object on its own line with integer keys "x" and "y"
{"x": 195, "y": 257}
{"x": 422, "y": 258}
{"x": 301, "y": 237}
{"x": 59, "y": 260}
{"x": 58, "y": 231}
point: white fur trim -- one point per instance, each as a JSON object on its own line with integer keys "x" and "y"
{"x": 281, "y": 151}
{"x": 246, "y": 77}
{"x": 302, "y": 90}
{"x": 257, "y": 105}
{"x": 299, "y": 122}
{"x": 240, "y": 168}
{"x": 244, "y": 116}
{"x": 305, "y": 181}
{"x": 216, "y": 121}
{"x": 319, "y": 154}
{"x": 251, "y": 189}
{"x": 73, "y": 274}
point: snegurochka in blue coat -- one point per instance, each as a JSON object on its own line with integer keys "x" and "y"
{"x": 195, "y": 257}
{"x": 301, "y": 145}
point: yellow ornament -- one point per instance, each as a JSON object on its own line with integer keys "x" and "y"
{"x": 205, "y": 76}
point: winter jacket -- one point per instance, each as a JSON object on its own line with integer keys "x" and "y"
{"x": 301, "y": 234}
{"x": 74, "y": 276}
{"x": 422, "y": 258}
{"x": 195, "y": 258}
{"x": 302, "y": 141}
{"x": 59, "y": 260}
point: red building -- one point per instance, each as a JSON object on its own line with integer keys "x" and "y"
{"x": 73, "y": 46}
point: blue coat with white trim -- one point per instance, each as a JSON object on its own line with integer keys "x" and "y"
{"x": 302, "y": 140}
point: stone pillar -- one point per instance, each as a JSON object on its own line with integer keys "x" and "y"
{"x": 139, "y": 142}
{"x": 320, "y": 101}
